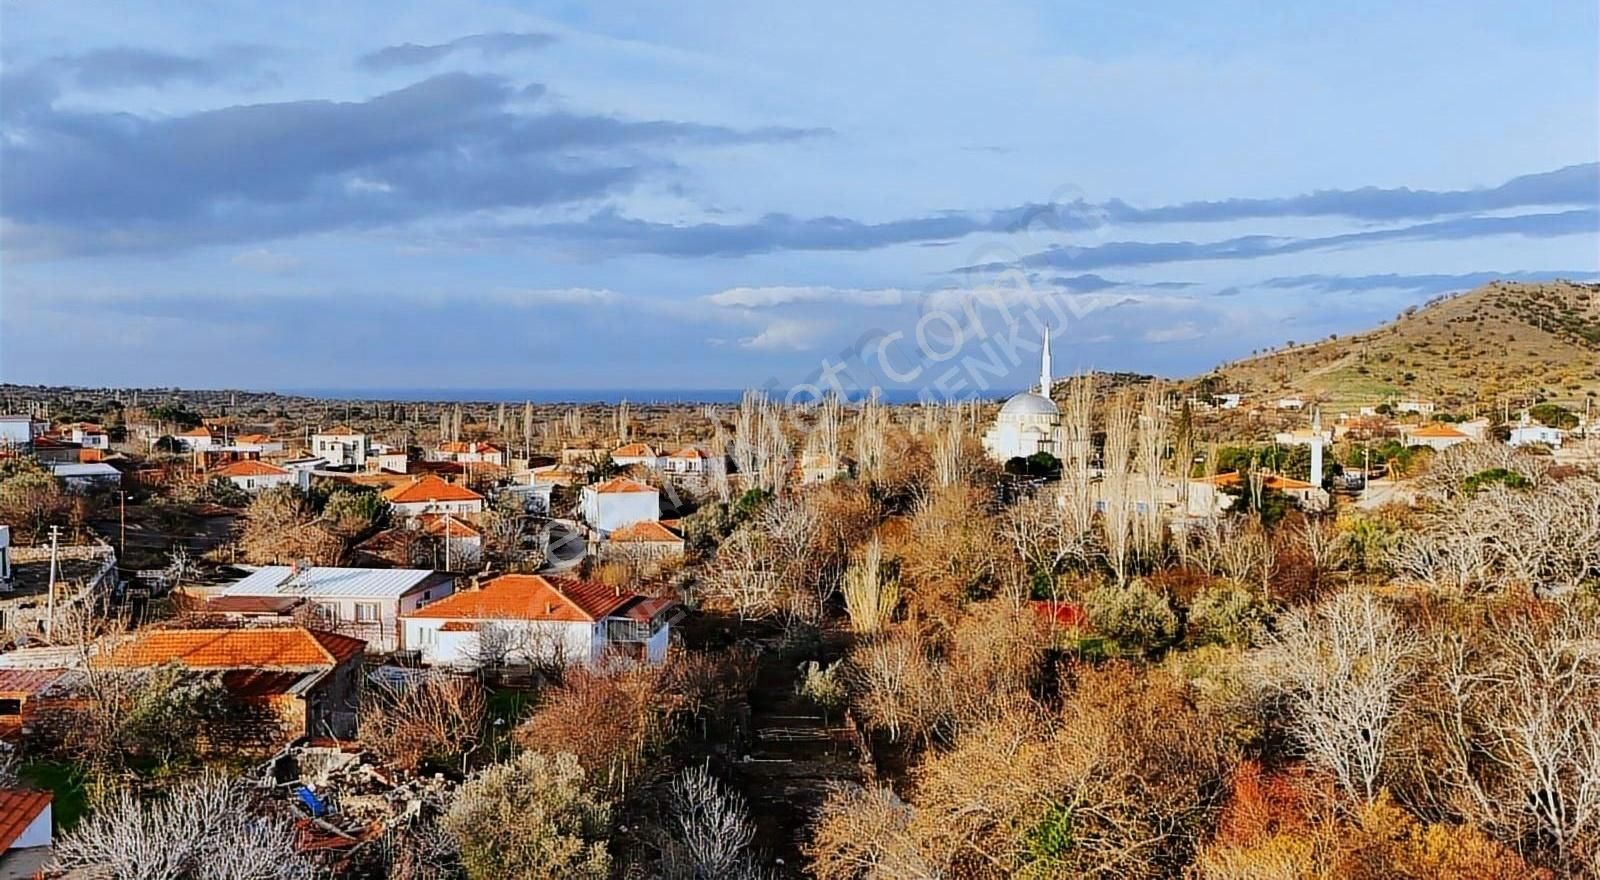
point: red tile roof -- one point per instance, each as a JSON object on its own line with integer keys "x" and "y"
{"x": 690, "y": 452}
{"x": 623, "y": 484}
{"x": 529, "y": 597}
{"x": 645, "y": 532}
{"x": 18, "y": 808}
{"x": 464, "y": 446}
{"x": 1270, "y": 481}
{"x": 635, "y": 450}
{"x": 430, "y": 488}
{"x": 435, "y": 524}
{"x": 252, "y": 438}
{"x": 245, "y": 648}
{"x": 26, "y": 683}
{"x": 197, "y": 432}
{"x": 1435, "y": 429}
{"x": 251, "y": 468}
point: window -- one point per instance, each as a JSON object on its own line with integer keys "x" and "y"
{"x": 366, "y": 612}
{"x": 10, "y": 707}
{"x": 328, "y": 612}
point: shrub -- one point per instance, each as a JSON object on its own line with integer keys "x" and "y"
{"x": 533, "y": 816}
{"x": 1135, "y": 616}
{"x": 1227, "y": 614}
{"x": 822, "y": 685}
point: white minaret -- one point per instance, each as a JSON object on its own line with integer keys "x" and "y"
{"x": 1316, "y": 446}
{"x": 1044, "y": 365}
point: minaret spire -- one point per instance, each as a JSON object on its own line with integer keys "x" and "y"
{"x": 1044, "y": 365}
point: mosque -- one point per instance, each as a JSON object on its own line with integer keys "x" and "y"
{"x": 1029, "y": 423}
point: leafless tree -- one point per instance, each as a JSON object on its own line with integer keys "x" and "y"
{"x": 712, "y": 825}
{"x": 865, "y": 834}
{"x": 440, "y": 716}
{"x": 1342, "y": 666}
{"x": 1116, "y": 485}
{"x": 207, "y": 827}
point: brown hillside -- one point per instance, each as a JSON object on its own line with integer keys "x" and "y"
{"x": 1501, "y": 342}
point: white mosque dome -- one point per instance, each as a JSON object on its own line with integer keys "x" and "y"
{"x": 1029, "y": 404}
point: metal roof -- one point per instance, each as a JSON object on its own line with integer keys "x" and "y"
{"x": 331, "y": 583}
{"x": 85, "y": 470}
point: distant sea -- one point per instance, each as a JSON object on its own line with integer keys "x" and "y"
{"x": 559, "y": 395}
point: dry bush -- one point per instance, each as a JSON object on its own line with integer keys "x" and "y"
{"x": 711, "y": 829}
{"x": 995, "y": 659}
{"x": 535, "y": 816}
{"x": 871, "y": 594}
{"x": 865, "y": 834}
{"x": 949, "y": 555}
{"x": 609, "y": 720}
{"x": 437, "y": 718}
{"x": 898, "y": 686}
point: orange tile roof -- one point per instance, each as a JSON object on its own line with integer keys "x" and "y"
{"x": 690, "y": 452}
{"x": 340, "y": 431}
{"x": 645, "y": 532}
{"x": 251, "y": 468}
{"x": 435, "y": 524}
{"x": 252, "y": 438}
{"x": 1435, "y": 429}
{"x": 197, "y": 432}
{"x": 623, "y": 484}
{"x": 430, "y": 488}
{"x": 1270, "y": 481}
{"x": 464, "y": 446}
{"x": 18, "y": 808}
{"x": 635, "y": 450}
{"x": 529, "y": 597}
{"x": 244, "y": 648}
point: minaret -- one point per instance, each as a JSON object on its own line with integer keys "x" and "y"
{"x": 1316, "y": 446}
{"x": 1044, "y": 366}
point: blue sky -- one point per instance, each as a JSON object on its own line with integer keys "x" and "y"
{"x": 714, "y": 195}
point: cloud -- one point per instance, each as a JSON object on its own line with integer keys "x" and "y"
{"x": 87, "y": 182}
{"x": 787, "y": 334}
{"x": 773, "y": 297}
{"x": 1418, "y": 283}
{"x": 567, "y": 296}
{"x": 1177, "y": 333}
{"x": 1248, "y": 247}
{"x": 492, "y": 45}
{"x": 267, "y": 262}
{"x": 608, "y": 231}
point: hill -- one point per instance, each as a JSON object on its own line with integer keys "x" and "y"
{"x": 1503, "y": 342}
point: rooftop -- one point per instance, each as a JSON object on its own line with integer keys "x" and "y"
{"x": 635, "y": 450}
{"x": 529, "y": 597}
{"x": 621, "y": 485}
{"x": 251, "y": 468}
{"x": 428, "y": 489}
{"x": 281, "y": 648}
{"x": 18, "y": 808}
{"x": 320, "y": 582}
{"x": 645, "y": 532}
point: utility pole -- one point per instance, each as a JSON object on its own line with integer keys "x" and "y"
{"x": 50, "y": 619}
{"x": 122, "y": 522}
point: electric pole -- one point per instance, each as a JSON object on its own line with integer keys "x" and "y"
{"x": 50, "y": 619}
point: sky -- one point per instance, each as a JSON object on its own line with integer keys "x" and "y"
{"x": 370, "y": 195}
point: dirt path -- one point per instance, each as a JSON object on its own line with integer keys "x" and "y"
{"x": 795, "y": 751}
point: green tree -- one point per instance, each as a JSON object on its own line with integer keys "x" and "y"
{"x": 533, "y": 816}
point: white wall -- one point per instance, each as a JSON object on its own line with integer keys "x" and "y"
{"x": 418, "y": 508}
{"x": 574, "y": 642}
{"x": 609, "y": 511}
{"x": 257, "y": 484}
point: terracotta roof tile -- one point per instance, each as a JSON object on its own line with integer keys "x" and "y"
{"x": 623, "y": 484}
{"x": 635, "y": 450}
{"x": 645, "y": 532}
{"x": 690, "y": 452}
{"x": 435, "y": 524}
{"x": 528, "y": 597}
{"x": 251, "y": 468}
{"x": 340, "y": 431}
{"x": 245, "y": 648}
{"x": 27, "y": 682}
{"x": 1436, "y": 429}
{"x": 430, "y": 488}
{"x": 18, "y": 808}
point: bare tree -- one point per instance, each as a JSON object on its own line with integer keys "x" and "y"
{"x": 1342, "y": 667}
{"x": 207, "y": 827}
{"x": 713, "y": 825}
{"x": 438, "y": 717}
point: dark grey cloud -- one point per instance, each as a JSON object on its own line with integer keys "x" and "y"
{"x": 79, "y": 181}
{"x": 609, "y": 231}
{"x": 1435, "y": 283}
{"x": 1248, "y": 247}
{"x": 492, "y": 45}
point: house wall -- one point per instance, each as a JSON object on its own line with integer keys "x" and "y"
{"x": 384, "y": 634}
{"x": 574, "y": 642}
{"x": 655, "y": 650}
{"x": 258, "y": 484}
{"x": 418, "y": 508}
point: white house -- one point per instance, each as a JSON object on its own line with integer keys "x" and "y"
{"x": 618, "y": 502}
{"x": 1228, "y": 401}
{"x": 302, "y": 468}
{"x": 1531, "y": 433}
{"x": 533, "y": 495}
{"x": 26, "y": 832}
{"x": 1420, "y": 407}
{"x": 257, "y": 443}
{"x": 340, "y": 446}
{"x": 461, "y": 540}
{"x": 468, "y": 452}
{"x": 431, "y": 493}
{"x": 689, "y": 460}
{"x": 389, "y": 459}
{"x": 531, "y": 618}
{"x": 643, "y": 541}
{"x": 197, "y": 439}
{"x": 17, "y": 430}
{"x": 253, "y": 476}
{"x": 365, "y": 603}
{"x": 87, "y": 435}
{"x": 637, "y": 453}
{"x": 1292, "y": 403}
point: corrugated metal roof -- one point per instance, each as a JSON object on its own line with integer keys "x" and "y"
{"x": 330, "y": 583}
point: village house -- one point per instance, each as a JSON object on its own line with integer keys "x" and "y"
{"x": 260, "y": 443}
{"x": 1528, "y": 432}
{"x": 531, "y": 618}
{"x": 364, "y": 603}
{"x": 21, "y": 691}
{"x": 384, "y": 458}
{"x": 431, "y": 493}
{"x": 637, "y": 454}
{"x": 18, "y": 431}
{"x": 1418, "y": 407}
{"x": 1437, "y": 436}
{"x": 469, "y": 452}
{"x": 618, "y": 502}
{"x": 688, "y": 461}
{"x": 1228, "y": 401}
{"x": 532, "y": 494}
{"x": 306, "y": 681}
{"x": 87, "y": 435}
{"x": 253, "y": 476}
{"x": 1291, "y": 403}
{"x": 460, "y": 542}
{"x": 196, "y": 439}
{"x": 340, "y": 446}
{"x": 646, "y": 541}
{"x": 27, "y": 832}
{"x": 78, "y": 477}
